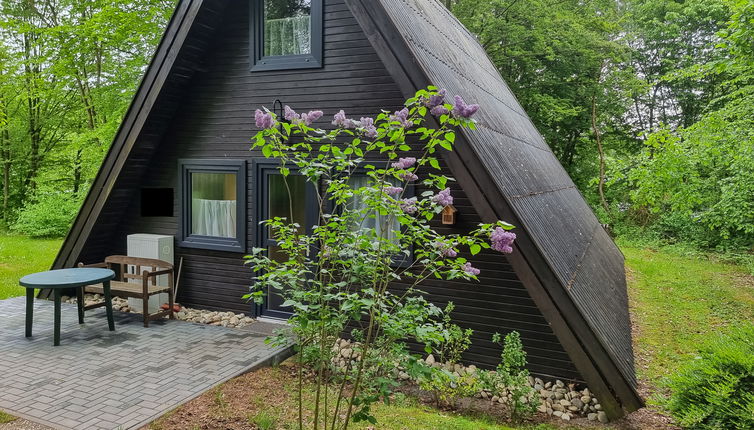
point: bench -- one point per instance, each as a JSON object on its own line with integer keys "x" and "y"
{"x": 144, "y": 270}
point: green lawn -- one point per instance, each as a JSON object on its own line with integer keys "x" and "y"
{"x": 679, "y": 301}
{"x": 20, "y": 256}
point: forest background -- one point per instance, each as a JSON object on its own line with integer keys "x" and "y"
{"x": 648, "y": 104}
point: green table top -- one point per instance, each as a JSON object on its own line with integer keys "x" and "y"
{"x": 67, "y": 278}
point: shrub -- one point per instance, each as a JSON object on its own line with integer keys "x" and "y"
{"x": 511, "y": 379}
{"x": 455, "y": 340}
{"x": 715, "y": 390}
{"x": 49, "y": 215}
{"x": 338, "y": 273}
{"x": 447, "y": 387}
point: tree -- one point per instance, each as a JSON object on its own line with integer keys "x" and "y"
{"x": 69, "y": 70}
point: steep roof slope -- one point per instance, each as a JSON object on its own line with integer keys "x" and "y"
{"x": 552, "y": 212}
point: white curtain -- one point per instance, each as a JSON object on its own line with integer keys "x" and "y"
{"x": 213, "y": 217}
{"x": 288, "y": 36}
{"x": 375, "y": 221}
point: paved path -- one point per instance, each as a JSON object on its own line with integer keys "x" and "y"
{"x": 98, "y": 379}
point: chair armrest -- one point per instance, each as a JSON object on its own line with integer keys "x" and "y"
{"x": 157, "y": 273}
{"x": 103, "y": 265}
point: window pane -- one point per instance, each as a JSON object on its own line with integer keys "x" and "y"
{"x": 372, "y": 221}
{"x": 213, "y": 204}
{"x": 287, "y": 27}
{"x": 281, "y": 205}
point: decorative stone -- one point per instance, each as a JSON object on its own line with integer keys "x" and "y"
{"x": 430, "y": 359}
{"x": 577, "y": 402}
{"x": 592, "y": 417}
{"x": 559, "y": 383}
{"x": 558, "y": 414}
{"x": 602, "y": 417}
{"x": 566, "y": 417}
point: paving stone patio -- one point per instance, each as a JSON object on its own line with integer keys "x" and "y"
{"x": 97, "y": 379}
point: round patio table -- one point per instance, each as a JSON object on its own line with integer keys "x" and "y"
{"x": 58, "y": 280}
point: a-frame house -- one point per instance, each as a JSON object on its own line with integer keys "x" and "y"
{"x": 564, "y": 286}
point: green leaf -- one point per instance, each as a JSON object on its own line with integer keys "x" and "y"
{"x": 474, "y": 249}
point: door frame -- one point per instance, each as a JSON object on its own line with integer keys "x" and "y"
{"x": 263, "y": 168}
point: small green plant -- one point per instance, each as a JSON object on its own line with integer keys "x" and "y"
{"x": 447, "y": 387}
{"x": 715, "y": 390}
{"x": 455, "y": 339}
{"x": 264, "y": 420}
{"x": 219, "y": 400}
{"x": 5, "y": 418}
{"x": 511, "y": 379}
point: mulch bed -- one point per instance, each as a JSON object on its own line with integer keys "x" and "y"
{"x": 231, "y": 406}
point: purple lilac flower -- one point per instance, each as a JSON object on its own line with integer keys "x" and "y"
{"x": 437, "y": 99}
{"x": 264, "y": 119}
{"x": 290, "y": 114}
{"x": 408, "y": 206}
{"x": 443, "y": 198}
{"x": 312, "y": 116}
{"x": 446, "y": 250}
{"x": 340, "y": 120}
{"x": 408, "y": 176}
{"x": 461, "y": 109}
{"x": 392, "y": 191}
{"x": 402, "y": 117}
{"x": 439, "y": 110}
{"x": 468, "y": 268}
{"x": 367, "y": 124}
{"x": 502, "y": 240}
{"x": 404, "y": 163}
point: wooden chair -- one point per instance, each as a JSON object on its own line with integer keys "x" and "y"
{"x": 142, "y": 290}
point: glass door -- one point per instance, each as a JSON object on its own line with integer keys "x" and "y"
{"x": 275, "y": 200}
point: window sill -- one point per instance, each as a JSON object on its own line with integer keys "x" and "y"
{"x": 213, "y": 243}
{"x": 286, "y": 62}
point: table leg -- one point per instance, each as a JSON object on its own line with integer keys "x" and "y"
{"x": 108, "y": 305}
{"x": 80, "y": 303}
{"x": 29, "y": 310}
{"x": 56, "y": 336}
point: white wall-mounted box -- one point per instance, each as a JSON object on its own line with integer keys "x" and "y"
{"x": 155, "y": 246}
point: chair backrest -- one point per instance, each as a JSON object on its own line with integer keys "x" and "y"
{"x": 138, "y": 263}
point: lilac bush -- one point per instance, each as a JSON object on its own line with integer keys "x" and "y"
{"x": 372, "y": 234}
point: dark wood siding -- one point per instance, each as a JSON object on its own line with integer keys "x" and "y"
{"x": 212, "y": 117}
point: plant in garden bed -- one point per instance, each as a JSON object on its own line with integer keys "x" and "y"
{"x": 441, "y": 379}
{"x": 511, "y": 379}
{"x": 372, "y": 235}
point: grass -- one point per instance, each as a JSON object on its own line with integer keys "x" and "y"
{"x": 678, "y": 301}
{"x": 20, "y": 256}
{"x": 5, "y": 418}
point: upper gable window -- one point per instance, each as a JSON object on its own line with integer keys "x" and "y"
{"x": 286, "y": 34}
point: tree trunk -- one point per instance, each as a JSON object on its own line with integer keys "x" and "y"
{"x": 5, "y": 159}
{"x": 598, "y": 138}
